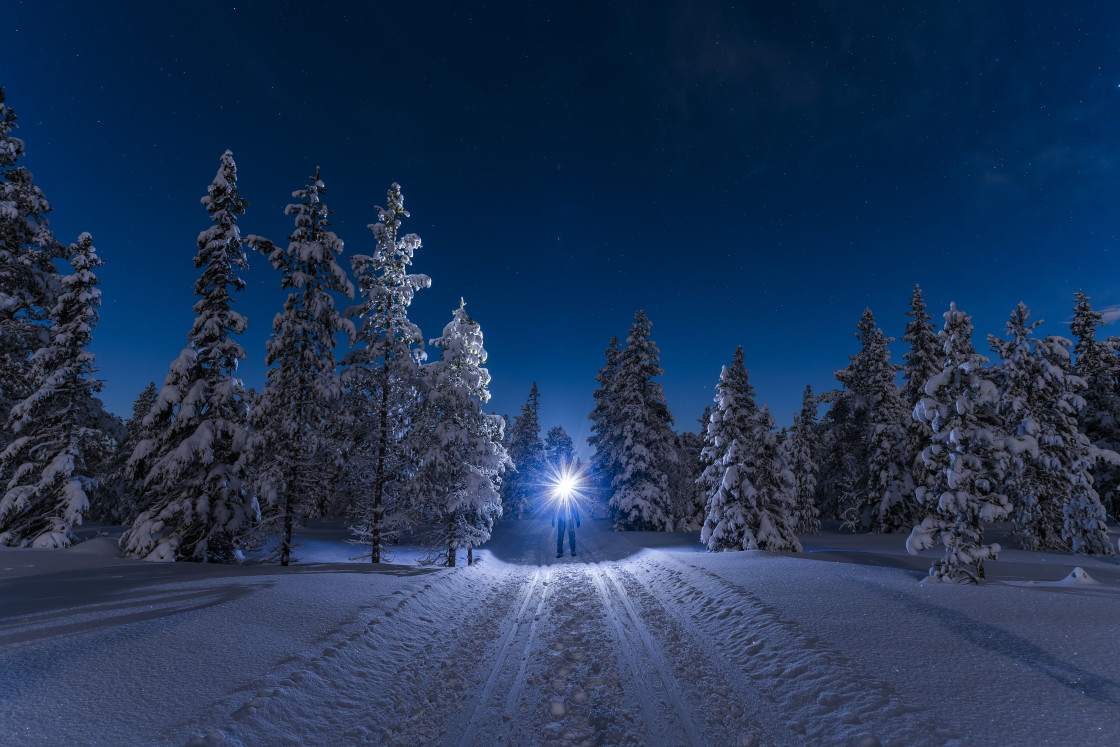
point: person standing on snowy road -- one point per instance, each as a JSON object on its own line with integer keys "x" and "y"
{"x": 566, "y": 514}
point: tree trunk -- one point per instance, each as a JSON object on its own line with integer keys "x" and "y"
{"x": 286, "y": 542}
{"x": 450, "y": 554}
{"x": 379, "y": 471}
{"x": 470, "y": 555}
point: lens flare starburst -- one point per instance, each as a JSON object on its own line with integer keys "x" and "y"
{"x": 565, "y": 485}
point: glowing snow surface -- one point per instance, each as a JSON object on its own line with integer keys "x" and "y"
{"x": 641, "y": 639}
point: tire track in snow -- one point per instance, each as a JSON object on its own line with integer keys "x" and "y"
{"x": 482, "y": 709}
{"x": 645, "y": 662}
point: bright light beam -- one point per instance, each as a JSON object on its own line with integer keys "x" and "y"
{"x": 565, "y": 485}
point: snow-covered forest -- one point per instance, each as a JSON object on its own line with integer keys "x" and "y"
{"x": 324, "y": 515}
{"x": 395, "y": 439}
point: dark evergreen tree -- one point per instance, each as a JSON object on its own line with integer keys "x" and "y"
{"x": 751, "y": 491}
{"x": 1099, "y": 365}
{"x": 122, "y": 499}
{"x": 559, "y": 449}
{"x": 605, "y": 424}
{"x": 729, "y": 453}
{"x": 889, "y": 503}
{"x": 1036, "y": 511}
{"x": 640, "y": 497}
{"x": 802, "y": 446}
{"x": 689, "y": 499}
{"x": 54, "y": 428}
{"x": 526, "y": 450}
{"x": 924, "y": 358}
{"x": 1065, "y": 456}
{"x": 198, "y": 505}
{"x": 922, "y": 362}
{"x": 28, "y": 280}
{"x": 303, "y": 387}
{"x": 382, "y": 374}
{"x": 869, "y": 469}
{"x": 966, "y": 459}
{"x": 460, "y": 470}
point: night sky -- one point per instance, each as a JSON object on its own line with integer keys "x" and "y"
{"x": 750, "y": 174}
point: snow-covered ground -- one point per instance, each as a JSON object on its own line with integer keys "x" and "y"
{"x": 641, "y": 639}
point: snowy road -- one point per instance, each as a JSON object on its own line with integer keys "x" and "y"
{"x": 641, "y": 639}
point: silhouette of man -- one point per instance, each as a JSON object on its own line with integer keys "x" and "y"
{"x": 566, "y": 514}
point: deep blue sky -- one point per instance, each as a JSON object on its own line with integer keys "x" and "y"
{"x": 754, "y": 174}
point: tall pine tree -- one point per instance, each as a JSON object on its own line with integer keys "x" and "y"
{"x": 1036, "y": 511}
{"x": 59, "y": 423}
{"x": 526, "y": 450}
{"x": 640, "y": 496}
{"x": 559, "y": 449}
{"x": 802, "y": 447}
{"x": 869, "y": 431}
{"x": 751, "y": 492}
{"x": 382, "y": 371}
{"x": 194, "y": 465}
{"x": 1066, "y": 457}
{"x": 1099, "y": 365}
{"x": 605, "y": 423}
{"x": 28, "y": 280}
{"x": 922, "y": 361}
{"x": 126, "y": 491}
{"x": 965, "y": 459}
{"x": 303, "y": 386}
{"x": 461, "y": 468}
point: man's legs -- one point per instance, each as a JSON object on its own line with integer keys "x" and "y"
{"x": 560, "y": 537}
{"x": 572, "y": 537}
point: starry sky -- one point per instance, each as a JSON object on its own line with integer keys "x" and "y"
{"x": 749, "y": 174}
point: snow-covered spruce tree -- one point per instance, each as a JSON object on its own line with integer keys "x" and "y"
{"x": 924, "y": 358}
{"x": 1066, "y": 457}
{"x": 302, "y": 386}
{"x": 461, "y": 466}
{"x": 728, "y": 452}
{"x": 689, "y": 498}
{"x": 1099, "y": 365}
{"x": 869, "y": 422}
{"x": 966, "y": 459}
{"x": 1048, "y": 480}
{"x": 773, "y": 525}
{"x": 120, "y": 497}
{"x": 526, "y": 450}
{"x": 198, "y": 504}
{"x": 703, "y": 461}
{"x": 1036, "y": 509}
{"x": 750, "y": 492}
{"x": 559, "y": 449}
{"x": 605, "y": 424}
{"x": 28, "y": 280}
{"x": 921, "y": 362}
{"x": 801, "y": 447}
{"x": 381, "y": 373}
{"x": 640, "y": 496}
{"x": 890, "y": 483}
{"x": 59, "y": 422}
{"x": 844, "y": 477}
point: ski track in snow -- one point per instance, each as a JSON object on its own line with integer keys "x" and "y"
{"x": 574, "y": 654}
{"x": 393, "y": 682}
{"x": 647, "y": 666}
{"x": 815, "y": 691}
{"x": 625, "y": 645}
{"x": 571, "y": 654}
